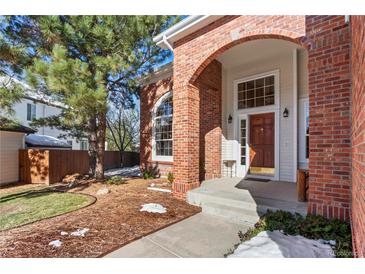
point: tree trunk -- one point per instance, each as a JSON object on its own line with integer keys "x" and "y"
{"x": 121, "y": 153}
{"x": 91, "y": 125}
{"x": 99, "y": 171}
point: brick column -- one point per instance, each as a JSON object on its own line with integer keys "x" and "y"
{"x": 186, "y": 139}
{"x": 358, "y": 134}
{"x": 329, "y": 121}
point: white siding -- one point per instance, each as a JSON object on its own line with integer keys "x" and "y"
{"x": 302, "y": 73}
{"x": 10, "y": 143}
{"x": 283, "y": 63}
{"x": 42, "y": 110}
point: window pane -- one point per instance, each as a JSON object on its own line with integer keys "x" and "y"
{"x": 259, "y": 92}
{"x": 307, "y": 147}
{"x": 243, "y": 160}
{"x": 251, "y": 94}
{"x": 241, "y": 86}
{"x": 34, "y": 111}
{"x": 29, "y": 112}
{"x": 251, "y": 103}
{"x": 269, "y": 90}
{"x": 260, "y": 102}
{"x": 260, "y": 83}
{"x": 269, "y": 100}
{"x": 269, "y": 80}
{"x": 250, "y": 84}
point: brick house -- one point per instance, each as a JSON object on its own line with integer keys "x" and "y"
{"x": 261, "y": 97}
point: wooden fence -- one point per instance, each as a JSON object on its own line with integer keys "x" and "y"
{"x": 50, "y": 166}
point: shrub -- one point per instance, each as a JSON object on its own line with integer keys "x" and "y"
{"x": 115, "y": 180}
{"x": 148, "y": 174}
{"x": 170, "y": 177}
{"x": 312, "y": 227}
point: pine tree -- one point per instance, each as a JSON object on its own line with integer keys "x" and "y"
{"x": 13, "y": 59}
{"x": 86, "y": 62}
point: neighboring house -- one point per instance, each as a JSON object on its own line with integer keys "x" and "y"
{"x": 11, "y": 140}
{"x": 37, "y": 105}
{"x": 263, "y": 96}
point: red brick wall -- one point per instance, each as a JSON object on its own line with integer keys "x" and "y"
{"x": 358, "y": 134}
{"x": 149, "y": 96}
{"x": 329, "y": 122}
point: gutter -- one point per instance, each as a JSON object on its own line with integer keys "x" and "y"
{"x": 190, "y": 24}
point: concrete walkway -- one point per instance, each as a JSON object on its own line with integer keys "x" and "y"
{"x": 200, "y": 236}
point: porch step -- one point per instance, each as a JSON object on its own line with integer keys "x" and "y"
{"x": 232, "y": 214}
{"x": 239, "y": 204}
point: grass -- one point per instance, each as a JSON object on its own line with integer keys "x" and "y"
{"x": 312, "y": 227}
{"x": 19, "y": 208}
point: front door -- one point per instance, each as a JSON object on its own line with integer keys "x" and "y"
{"x": 262, "y": 140}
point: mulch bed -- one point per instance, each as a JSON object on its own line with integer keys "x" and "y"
{"x": 114, "y": 220}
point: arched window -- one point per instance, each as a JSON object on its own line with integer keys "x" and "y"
{"x": 162, "y": 128}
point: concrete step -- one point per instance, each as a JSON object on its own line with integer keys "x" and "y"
{"x": 242, "y": 200}
{"x": 232, "y": 214}
{"x": 199, "y": 196}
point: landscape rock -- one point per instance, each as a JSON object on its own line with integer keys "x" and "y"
{"x": 103, "y": 191}
{"x": 153, "y": 208}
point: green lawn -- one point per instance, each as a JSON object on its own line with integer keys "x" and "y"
{"x": 28, "y": 206}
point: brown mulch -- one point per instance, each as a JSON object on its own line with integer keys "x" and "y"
{"x": 114, "y": 220}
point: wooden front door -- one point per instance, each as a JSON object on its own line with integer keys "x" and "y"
{"x": 262, "y": 140}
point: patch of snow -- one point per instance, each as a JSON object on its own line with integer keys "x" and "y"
{"x": 103, "y": 191}
{"x": 152, "y": 185}
{"x": 45, "y": 141}
{"x": 134, "y": 171}
{"x": 159, "y": 189}
{"x": 55, "y": 243}
{"x": 275, "y": 244}
{"x": 80, "y": 232}
{"x": 64, "y": 233}
{"x": 153, "y": 208}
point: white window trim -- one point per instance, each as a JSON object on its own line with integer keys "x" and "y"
{"x": 159, "y": 158}
{"x": 245, "y": 114}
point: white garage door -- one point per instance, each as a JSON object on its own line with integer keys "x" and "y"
{"x": 10, "y": 143}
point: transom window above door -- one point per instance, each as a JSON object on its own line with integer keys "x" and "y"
{"x": 256, "y": 93}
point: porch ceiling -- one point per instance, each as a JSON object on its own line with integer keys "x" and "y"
{"x": 254, "y": 51}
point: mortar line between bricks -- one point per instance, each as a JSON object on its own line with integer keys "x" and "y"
{"x": 164, "y": 248}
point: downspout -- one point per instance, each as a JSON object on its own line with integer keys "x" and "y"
{"x": 166, "y": 42}
{"x": 347, "y": 19}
